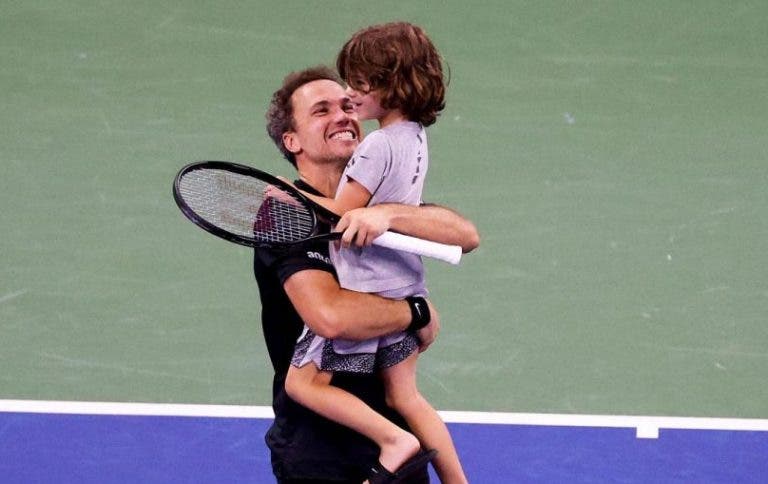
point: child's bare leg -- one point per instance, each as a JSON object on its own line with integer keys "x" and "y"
{"x": 311, "y": 388}
{"x": 404, "y": 396}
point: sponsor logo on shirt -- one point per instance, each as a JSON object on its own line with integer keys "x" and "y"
{"x": 318, "y": 256}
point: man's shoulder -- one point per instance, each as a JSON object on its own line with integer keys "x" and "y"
{"x": 290, "y": 260}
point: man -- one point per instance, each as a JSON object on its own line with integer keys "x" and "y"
{"x": 313, "y": 123}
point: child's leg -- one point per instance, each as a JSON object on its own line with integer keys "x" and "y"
{"x": 311, "y": 388}
{"x": 404, "y": 396}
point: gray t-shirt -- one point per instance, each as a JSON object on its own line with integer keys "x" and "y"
{"x": 391, "y": 163}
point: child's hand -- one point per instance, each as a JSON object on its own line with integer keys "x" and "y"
{"x": 276, "y": 193}
{"x": 362, "y": 225}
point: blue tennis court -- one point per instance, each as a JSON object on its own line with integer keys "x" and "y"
{"x": 99, "y": 448}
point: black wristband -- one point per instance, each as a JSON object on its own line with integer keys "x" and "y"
{"x": 420, "y": 316}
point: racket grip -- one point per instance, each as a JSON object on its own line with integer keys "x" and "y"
{"x": 427, "y": 248}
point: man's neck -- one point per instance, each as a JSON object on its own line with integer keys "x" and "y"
{"x": 323, "y": 177}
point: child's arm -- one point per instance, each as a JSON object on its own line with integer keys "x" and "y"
{"x": 352, "y": 196}
{"x": 430, "y": 222}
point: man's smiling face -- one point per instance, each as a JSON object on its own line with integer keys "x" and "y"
{"x": 326, "y": 128}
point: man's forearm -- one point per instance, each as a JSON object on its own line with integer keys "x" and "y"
{"x": 333, "y": 312}
{"x": 433, "y": 222}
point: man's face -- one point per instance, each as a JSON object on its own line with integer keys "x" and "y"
{"x": 325, "y": 122}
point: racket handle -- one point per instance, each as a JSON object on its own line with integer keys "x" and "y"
{"x": 427, "y": 248}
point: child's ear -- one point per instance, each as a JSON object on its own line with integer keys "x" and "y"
{"x": 291, "y": 142}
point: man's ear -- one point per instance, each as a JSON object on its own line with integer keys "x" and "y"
{"x": 291, "y": 142}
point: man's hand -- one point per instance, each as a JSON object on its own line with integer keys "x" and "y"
{"x": 362, "y": 225}
{"x": 428, "y": 333}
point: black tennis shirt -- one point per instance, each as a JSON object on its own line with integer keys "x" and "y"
{"x": 303, "y": 444}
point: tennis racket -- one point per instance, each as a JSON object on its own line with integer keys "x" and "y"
{"x": 249, "y": 207}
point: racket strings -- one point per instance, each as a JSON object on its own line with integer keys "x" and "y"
{"x": 246, "y": 206}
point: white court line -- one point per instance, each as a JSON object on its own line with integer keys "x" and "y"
{"x": 645, "y": 426}
{"x": 130, "y": 408}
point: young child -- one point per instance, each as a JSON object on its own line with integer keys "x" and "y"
{"x": 395, "y": 76}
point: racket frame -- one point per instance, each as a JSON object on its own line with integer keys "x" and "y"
{"x": 317, "y": 212}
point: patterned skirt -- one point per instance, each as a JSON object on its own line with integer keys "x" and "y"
{"x": 353, "y": 356}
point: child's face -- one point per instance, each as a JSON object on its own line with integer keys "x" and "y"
{"x": 367, "y": 102}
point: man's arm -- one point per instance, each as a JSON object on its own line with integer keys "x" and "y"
{"x": 333, "y": 312}
{"x": 430, "y": 222}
